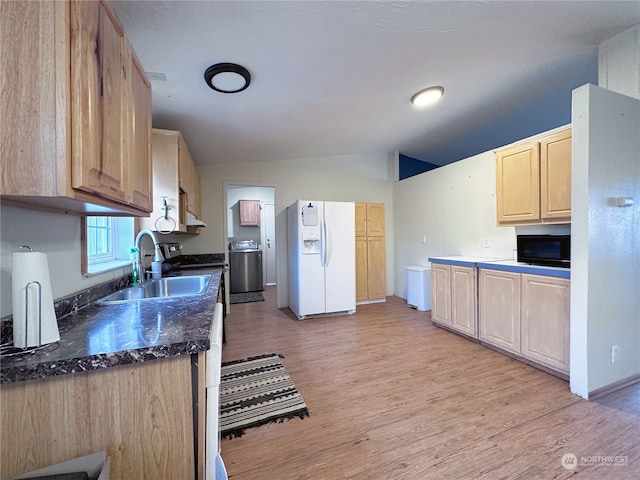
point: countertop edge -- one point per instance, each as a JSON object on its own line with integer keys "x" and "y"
{"x": 38, "y": 366}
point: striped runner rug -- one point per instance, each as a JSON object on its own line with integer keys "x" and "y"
{"x": 256, "y": 391}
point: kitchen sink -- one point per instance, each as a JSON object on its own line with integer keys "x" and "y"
{"x": 166, "y": 287}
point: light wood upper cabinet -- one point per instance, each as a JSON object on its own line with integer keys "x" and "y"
{"x": 69, "y": 108}
{"x": 189, "y": 179}
{"x": 518, "y": 183}
{"x": 555, "y": 176}
{"x": 533, "y": 181}
{"x": 98, "y": 106}
{"x": 371, "y": 279}
{"x": 170, "y": 182}
{"x": 140, "y": 128}
{"x": 249, "y": 213}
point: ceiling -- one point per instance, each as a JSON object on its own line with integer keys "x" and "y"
{"x": 333, "y": 78}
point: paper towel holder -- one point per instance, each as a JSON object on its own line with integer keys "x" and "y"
{"x": 26, "y": 311}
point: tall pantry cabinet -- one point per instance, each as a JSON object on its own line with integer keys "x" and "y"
{"x": 371, "y": 283}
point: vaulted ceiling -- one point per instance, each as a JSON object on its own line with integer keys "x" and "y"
{"x": 332, "y": 78}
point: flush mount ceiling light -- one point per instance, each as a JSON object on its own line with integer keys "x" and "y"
{"x": 428, "y": 96}
{"x": 227, "y": 77}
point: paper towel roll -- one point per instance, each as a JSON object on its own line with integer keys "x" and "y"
{"x": 27, "y": 268}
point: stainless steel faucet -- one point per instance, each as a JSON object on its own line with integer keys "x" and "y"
{"x": 156, "y": 265}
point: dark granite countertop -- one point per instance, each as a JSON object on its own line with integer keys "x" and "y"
{"x": 101, "y": 336}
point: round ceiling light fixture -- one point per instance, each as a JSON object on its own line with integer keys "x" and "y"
{"x": 227, "y": 77}
{"x": 428, "y": 96}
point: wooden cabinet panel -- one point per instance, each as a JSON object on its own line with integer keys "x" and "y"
{"x": 249, "y": 212}
{"x": 464, "y": 299}
{"x": 371, "y": 275}
{"x": 33, "y": 119}
{"x": 98, "y": 101}
{"x": 555, "y": 175}
{"x": 375, "y": 219}
{"x": 142, "y": 172}
{"x": 141, "y": 414}
{"x": 361, "y": 219}
{"x": 362, "y": 292}
{"x": 376, "y": 268}
{"x": 518, "y": 183}
{"x": 545, "y": 321}
{"x": 499, "y": 316}
{"x": 533, "y": 181}
{"x": 68, "y": 142}
{"x": 441, "y": 293}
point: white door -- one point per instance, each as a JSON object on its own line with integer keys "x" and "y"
{"x": 268, "y": 221}
{"x": 340, "y": 256}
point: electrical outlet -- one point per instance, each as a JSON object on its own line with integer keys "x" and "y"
{"x": 615, "y": 351}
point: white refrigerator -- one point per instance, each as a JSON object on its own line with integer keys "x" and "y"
{"x": 322, "y": 258}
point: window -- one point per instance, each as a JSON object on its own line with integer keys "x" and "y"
{"x": 106, "y": 242}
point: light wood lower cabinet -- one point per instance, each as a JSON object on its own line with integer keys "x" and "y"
{"x": 527, "y": 315}
{"x": 499, "y": 300}
{"x": 441, "y": 293}
{"x": 464, "y": 299}
{"x": 141, "y": 414}
{"x": 454, "y": 297}
{"x": 544, "y": 326}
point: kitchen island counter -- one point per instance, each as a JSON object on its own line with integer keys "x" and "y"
{"x": 102, "y": 336}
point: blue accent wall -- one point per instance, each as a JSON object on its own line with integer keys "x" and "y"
{"x": 408, "y": 167}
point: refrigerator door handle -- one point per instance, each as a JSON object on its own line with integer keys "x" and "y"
{"x": 325, "y": 247}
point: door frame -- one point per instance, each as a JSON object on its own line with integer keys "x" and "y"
{"x": 228, "y": 185}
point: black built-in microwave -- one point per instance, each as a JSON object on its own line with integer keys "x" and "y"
{"x": 547, "y": 250}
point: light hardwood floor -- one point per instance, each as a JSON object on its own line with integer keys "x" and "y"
{"x": 393, "y": 397}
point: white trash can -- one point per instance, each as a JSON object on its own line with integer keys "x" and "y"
{"x": 419, "y": 287}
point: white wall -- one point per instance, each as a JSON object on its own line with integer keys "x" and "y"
{"x": 619, "y": 63}
{"x": 605, "y": 273}
{"x": 454, "y": 207}
{"x": 57, "y": 235}
{"x": 360, "y": 178}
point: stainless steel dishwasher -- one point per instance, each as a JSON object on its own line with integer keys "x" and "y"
{"x": 245, "y": 266}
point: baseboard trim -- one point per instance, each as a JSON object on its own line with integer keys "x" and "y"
{"x": 613, "y": 387}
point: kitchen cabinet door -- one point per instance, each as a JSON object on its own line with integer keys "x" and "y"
{"x": 362, "y": 292}
{"x": 361, "y": 219}
{"x": 555, "y": 176}
{"x": 545, "y": 321}
{"x": 375, "y": 219}
{"x": 140, "y": 128}
{"x": 518, "y": 183}
{"x": 441, "y": 293}
{"x": 464, "y": 299}
{"x": 499, "y": 316}
{"x": 376, "y": 268}
{"x": 67, "y": 142}
{"x": 249, "y": 212}
{"x": 98, "y": 107}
